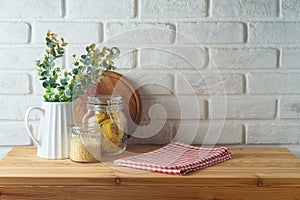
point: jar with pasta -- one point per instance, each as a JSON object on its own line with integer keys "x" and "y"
{"x": 106, "y": 112}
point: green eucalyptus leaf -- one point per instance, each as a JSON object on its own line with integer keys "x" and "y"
{"x": 42, "y": 66}
{"x": 114, "y": 52}
{"x": 58, "y": 56}
{"x": 70, "y": 86}
{"x": 105, "y": 65}
{"x": 38, "y": 63}
{"x": 61, "y": 50}
{"x": 64, "y": 81}
{"x": 46, "y": 73}
{"x": 54, "y": 85}
{"x": 45, "y": 84}
{"x": 88, "y": 69}
{"x": 75, "y": 71}
{"x": 52, "y": 81}
{"x": 61, "y": 88}
{"x": 68, "y": 92}
{"x": 50, "y": 44}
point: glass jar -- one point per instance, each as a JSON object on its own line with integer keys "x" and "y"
{"x": 106, "y": 112}
{"x": 85, "y": 144}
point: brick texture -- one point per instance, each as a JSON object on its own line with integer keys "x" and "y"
{"x": 274, "y": 32}
{"x": 244, "y": 8}
{"x": 213, "y": 32}
{"x": 209, "y": 83}
{"x": 273, "y": 133}
{"x": 101, "y": 9}
{"x": 151, "y": 83}
{"x": 14, "y": 107}
{"x": 290, "y": 8}
{"x": 211, "y": 132}
{"x": 242, "y": 108}
{"x": 173, "y": 8}
{"x": 207, "y": 71}
{"x": 13, "y": 133}
{"x": 274, "y": 83}
{"x": 30, "y": 9}
{"x": 84, "y": 32}
{"x": 157, "y": 132}
{"x": 176, "y": 107}
{"x": 22, "y": 58}
{"x": 290, "y": 58}
{"x": 17, "y": 33}
{"x": 138, "y": 33}
{"x": 14, "y": 84}
{"x": 252, "y": 58}
{"x": 290, "y": 108}
{"x": 173, "y": 58}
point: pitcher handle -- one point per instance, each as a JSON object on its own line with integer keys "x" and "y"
{"x": 34, "y": 139}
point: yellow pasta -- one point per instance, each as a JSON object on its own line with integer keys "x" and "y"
{"x": 112, "y": 125}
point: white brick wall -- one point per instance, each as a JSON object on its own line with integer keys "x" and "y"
{"x": 274, "y": 83}
{"x": 151, "y": 82}
{"x": 173, "y": 58}
{"x": 210, "y": 32}
{"x": 101, "y": 9}
{"x": 209, "y": 83}
{"x": 210, "y": 132}
{"x": 290, "y": 8}
{"x": 290, "y": 58}
{"x": 173, "y": 8}
{"x": 140, "y": 33}
{"x": 234, "y": 58}
{"x": 276, "y": 133}
{"x": 22, "y": 58}
{"x": 243, "y": 108}
{"x": 274, "y": 32}
{"x": 13, "y": 83}
{"x": 207, "y": 62}
{"x": 244, "y": 8}
{"x": 290, "y": 108}
{"x": 67, "y": 30}
{"x": 30, "y": 8}
{"x": 14, "y": 33}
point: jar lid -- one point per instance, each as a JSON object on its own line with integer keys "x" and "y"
{"x": 85, "y": 130}
{"x": 105, "y": 100}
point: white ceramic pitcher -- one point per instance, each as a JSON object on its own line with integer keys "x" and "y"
{"x": 53, "y": 139}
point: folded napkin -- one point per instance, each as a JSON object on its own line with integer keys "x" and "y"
{"x": 176, "y": 158}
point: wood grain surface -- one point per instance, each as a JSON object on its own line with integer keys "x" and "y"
{"x": 252, "y": 173}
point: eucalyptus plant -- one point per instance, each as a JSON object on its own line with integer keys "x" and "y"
{"x": 65, "y": 86}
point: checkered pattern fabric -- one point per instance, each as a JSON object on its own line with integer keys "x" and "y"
{"x": 176, "y": 158}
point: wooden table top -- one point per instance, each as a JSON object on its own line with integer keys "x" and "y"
{"x": 252, "y": 173}
{"x": 260, "y": 166}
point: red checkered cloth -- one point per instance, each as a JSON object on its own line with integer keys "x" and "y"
{"x": 176, "y": 158}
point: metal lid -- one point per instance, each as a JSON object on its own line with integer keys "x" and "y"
{"x": 104, "y": 102}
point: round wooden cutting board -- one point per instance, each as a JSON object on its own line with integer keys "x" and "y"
{"x": 114, "y": 84}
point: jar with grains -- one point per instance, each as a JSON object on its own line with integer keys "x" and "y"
{"x": 85, "y": 144}
{"x": 106, "y": 112}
